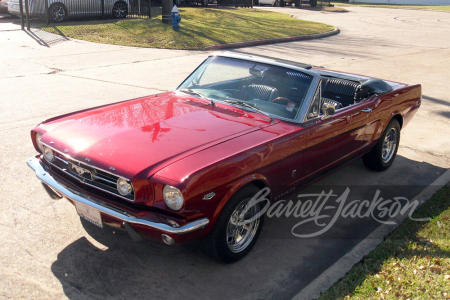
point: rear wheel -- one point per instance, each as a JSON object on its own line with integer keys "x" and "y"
{"x": 120, "y": 10}
{"x": 57, "y": 13}
{"x": 235, "y": 232}
{"x": 384, "y": 153}
{"x": 276, "y": 3}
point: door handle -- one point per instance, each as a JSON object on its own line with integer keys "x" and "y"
{"x": 367, "y": 110}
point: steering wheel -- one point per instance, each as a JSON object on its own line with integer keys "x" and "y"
{"x": 283, "y": 100}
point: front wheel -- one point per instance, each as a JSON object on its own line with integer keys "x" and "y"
{"x": 237, "y": 228}
{"x": 383, "y": 155}
{"x": 276, "y": 3}
{"x": 120, "y": 10}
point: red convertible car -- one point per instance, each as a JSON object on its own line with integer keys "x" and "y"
{"x": 183, "y": 165}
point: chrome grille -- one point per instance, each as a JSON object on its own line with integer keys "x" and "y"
{"x": 89, "y": 175}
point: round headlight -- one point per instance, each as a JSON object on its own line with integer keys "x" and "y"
{"x": 38, "y": 142}
{"x": 48, "y": 153}
{"x": 124, "y": 186}
{"x": 173, "y": 197}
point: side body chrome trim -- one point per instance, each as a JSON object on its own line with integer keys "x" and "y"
{"x": 68, "y": 192}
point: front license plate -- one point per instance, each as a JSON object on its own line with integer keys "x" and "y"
{"x": 89, "y": 213}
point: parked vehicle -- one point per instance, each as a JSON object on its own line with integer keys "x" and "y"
{"x": 312, "y": 3}
{"x": 184, "y": 165}
{"x": 60, "y": 10}
{"x": 3, "y": 6}
{"x": 275, "y": 2}
{"x": 191, "y": 2}
{"x": 269, "y": 2}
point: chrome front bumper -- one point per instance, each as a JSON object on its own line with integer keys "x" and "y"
{"x": 107, "y": 209}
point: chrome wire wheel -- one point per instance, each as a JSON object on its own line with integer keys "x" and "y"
{"x": 120, "y": 10}
{"x": 389, "y": 145}
{"x": 57, "y": 13}
{"x": 241, "y": 228}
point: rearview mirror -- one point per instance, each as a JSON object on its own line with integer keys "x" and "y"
{"x": 255, "y": 72}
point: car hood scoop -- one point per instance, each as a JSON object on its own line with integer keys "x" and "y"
{"x": 143, "y": 135}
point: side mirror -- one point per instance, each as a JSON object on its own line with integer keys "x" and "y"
{"x": 328, "y": 110}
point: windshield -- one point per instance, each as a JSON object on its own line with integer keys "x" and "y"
{"x": 272, "y": 89}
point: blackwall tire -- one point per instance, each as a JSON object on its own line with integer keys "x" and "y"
{"x": 384, "y": 153}
{"x": 57, "y": 13}
{"x": 228, "y": 241}
{"x": 120, "y": 10}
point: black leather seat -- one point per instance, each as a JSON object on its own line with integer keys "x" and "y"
{"x": 341, "y": 90}
{"x": 259, "y": 92}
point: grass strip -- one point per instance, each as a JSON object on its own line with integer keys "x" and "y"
{"x": 200, "y": 27}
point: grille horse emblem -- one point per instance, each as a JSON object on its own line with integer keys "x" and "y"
{"x": 79, "y": 170}
{"x": 82, "y": 172}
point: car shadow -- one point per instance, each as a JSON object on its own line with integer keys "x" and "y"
{"x": 444, "y": 111}
{"x": 278, "y": 267}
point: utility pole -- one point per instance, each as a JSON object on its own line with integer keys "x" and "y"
{"x": 27, "y": 12}
{"x": 22, "y": 15}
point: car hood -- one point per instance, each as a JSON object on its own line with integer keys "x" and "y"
{"x": 141, "y": 136}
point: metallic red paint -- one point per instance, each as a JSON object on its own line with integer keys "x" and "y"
{"x": 140, "y": 137}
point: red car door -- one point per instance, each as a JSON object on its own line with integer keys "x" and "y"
{"x": 335, "y": 139}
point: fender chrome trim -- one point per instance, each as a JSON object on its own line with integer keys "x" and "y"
{"x": 35, "y": 164}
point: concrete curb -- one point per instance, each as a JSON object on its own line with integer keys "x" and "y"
{"x": 272, "y": 41}
{"x": 340, "y": 268}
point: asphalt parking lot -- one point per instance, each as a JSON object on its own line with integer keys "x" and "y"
{"x": 47, "y": 252}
